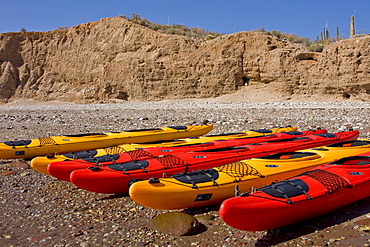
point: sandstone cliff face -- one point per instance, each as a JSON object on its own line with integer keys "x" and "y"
{"x": 115, "y": 59}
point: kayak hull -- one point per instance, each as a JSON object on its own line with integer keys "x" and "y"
{"x": 324, "y": 189}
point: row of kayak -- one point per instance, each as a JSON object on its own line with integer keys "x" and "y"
{"x": 222, "y": 151}
{"x": 40, "y": 163}
{"x": 240, "y": 170}
{"x": 172, "y": 160}
{"x": 115, "y": 174}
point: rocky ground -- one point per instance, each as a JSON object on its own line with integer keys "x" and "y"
{"x": 38, "y": 210}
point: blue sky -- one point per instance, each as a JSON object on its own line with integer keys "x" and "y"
{"x": 305, "y": 18}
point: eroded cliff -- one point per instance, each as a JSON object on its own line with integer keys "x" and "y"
{"x": 116, "y": 59}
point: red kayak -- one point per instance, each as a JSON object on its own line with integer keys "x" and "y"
{"x": 116, "y": 178}
{"x": 63, "y": 169}
{"x": 313, "y": 193}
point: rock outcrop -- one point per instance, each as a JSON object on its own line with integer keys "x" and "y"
{"x": 115, "y": 59}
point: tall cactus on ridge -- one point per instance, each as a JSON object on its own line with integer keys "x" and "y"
{"x": 352, "y": 26}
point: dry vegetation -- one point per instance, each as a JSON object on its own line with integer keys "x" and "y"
{"x": 176, "y": 29}
{"x": 316, "y": 46}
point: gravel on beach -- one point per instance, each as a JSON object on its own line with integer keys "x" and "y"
{"x": 39, "y": 210}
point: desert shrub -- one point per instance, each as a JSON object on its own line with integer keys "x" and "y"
{"x": 315, "y": 46}
{"x": 175, "y": 29}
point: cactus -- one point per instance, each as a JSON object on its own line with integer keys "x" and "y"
{"x": 352, "y": 26}
{"x": 337, "y": 34}
{"x": 326, "y": 33}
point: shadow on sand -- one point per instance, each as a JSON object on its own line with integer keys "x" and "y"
{"x": 283, "y": 234}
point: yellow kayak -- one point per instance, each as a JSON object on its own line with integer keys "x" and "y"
{"x": 68, "y": 143}
{"x": 40, "y": 163}
{"x": 213, "y": 186}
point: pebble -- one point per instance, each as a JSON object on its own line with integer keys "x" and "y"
{"x": 365, "y": 228}
{"x": 174, "y": 223}
{"x": 31, "y": 201}
{"x": 205, "y": 217}
{"x": 7, "y": 173}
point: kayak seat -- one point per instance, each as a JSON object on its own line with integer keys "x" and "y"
{"x": 355, "y": 143}
{"x": 352, "y": 160}
{"x": 103, "y": 158}
{"x": 81, "y": 155}
{"x": 18, "y": 143}
{"x": 286, "y": 189}
{"x": 263, "y": 131}
{"x": 285, "y": 157}
{"x": 288, "y": 155}
{"x": 298, "y": 155}
{"x": 129, "y": 166}
{"x": 363, "y": 163}
{"x": 360, "y": 143}
{"x": 294, "y": 133}
{"x": 178, "y": 127}
{"x": 196, "y": 177}
{"x": 328, "y": 135}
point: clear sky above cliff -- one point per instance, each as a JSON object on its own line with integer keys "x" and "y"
{"x": 303, "y": 18}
